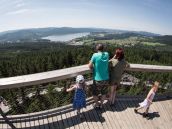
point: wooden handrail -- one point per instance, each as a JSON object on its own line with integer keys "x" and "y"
{"x": 149, "y": 68}
{"x": 50, "y": 76}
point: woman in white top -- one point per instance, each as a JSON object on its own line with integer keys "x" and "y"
{"x": 148, "y": 100}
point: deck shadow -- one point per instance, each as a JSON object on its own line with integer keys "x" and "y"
{"x": 150, "y": 116}
{"x": 91, "y": 115}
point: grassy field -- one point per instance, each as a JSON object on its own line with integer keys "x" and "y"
{"x": 130, "y": 42}
{"x": 152, "y": 44}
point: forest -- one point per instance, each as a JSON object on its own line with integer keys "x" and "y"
{"x": 27, "y": 58}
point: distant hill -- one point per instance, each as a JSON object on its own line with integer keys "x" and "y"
{"x": 166, "y": 39}
{"x": 37, "y": 33}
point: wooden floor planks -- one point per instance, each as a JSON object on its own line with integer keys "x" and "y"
{"x": 119, "y": 116}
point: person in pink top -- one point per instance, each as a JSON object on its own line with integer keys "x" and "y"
{"x": 148, "y": 100}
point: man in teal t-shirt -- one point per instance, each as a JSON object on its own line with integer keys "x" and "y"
{"x": 99, "y": 65}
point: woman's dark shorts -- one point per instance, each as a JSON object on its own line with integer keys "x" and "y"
{"x": 100, "y": 87}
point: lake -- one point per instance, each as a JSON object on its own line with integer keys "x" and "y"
{"x": 65, "y": 37}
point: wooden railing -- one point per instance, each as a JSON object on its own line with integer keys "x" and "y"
{"x": 50, "y": 76}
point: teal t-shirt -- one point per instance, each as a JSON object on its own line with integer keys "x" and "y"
{"x": 100, "y": 69}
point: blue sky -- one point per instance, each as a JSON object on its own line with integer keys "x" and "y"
{"x": 140, "y": 15}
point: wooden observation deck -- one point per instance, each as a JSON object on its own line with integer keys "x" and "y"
{"x": 119, "y": 116}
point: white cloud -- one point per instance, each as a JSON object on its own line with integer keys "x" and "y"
{"x": 18, "y": 1}
{"x": 13, "y": 7}
{"x": 21, "y": 11}
{"x": 20, "y": 5}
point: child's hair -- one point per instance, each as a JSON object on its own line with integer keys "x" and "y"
{"x": 119, "y": 54}
{"x": 156, "y": 84}
{"x": 80, "y": 79}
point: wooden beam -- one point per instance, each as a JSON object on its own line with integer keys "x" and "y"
{"x": 50, "y": 76}
{"x": 44, "y": 77}
{"x": 149, "y": 68}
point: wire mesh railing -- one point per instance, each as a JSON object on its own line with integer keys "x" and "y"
{"x": 23, "y": 95}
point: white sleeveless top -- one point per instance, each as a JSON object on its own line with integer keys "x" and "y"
{"x": 152, "y": 96}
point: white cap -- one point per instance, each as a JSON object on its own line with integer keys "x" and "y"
{"x": 79, "y": 79}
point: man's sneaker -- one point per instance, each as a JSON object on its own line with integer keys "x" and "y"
{"x": 95, "y": 106}
{"x": 100, "y": 106}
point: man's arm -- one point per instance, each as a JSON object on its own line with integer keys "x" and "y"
{"x": 90, "y": 65}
